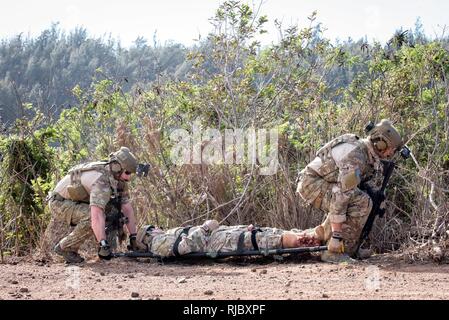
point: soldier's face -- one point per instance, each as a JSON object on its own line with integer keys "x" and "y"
{"x": 389, "y": 152}
{"x": 125, "y": 176}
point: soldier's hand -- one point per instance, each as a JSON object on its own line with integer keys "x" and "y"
{"x": 335, "y": 244}
{"x": 134, "y": 245}
{"x": 380, "y": 196}
{"x": 104, "y": 252}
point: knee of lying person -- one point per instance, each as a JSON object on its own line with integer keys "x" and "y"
{"x": 183, "y": 247}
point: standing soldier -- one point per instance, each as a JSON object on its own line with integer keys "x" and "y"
{"x": 83, "y": 196}
{"x": 331, "y": 183}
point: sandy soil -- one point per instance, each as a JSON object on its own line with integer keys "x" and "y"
{"x": 296, "y": 278}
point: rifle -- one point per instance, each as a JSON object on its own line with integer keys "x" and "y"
{"x": 115, "y": 220}
{"x": 214, "y": 255}
{"x": 378, "y": 197}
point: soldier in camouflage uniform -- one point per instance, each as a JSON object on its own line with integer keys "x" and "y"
{"x": 212, "y": 238}
{"x": 83, "y": 196}
{"x": 331, "y": 183}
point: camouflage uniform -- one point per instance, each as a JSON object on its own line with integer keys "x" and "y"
{"x": 222, "y": 239}
{"x": 226, "y": 239}
{"x": 162, "y": 243}
{"x": 99, "y": 185}
{"x": 330, "y": 183}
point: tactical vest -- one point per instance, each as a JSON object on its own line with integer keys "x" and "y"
{"x": 324, "y": 165}
{"x": 321, "y": 174}
{"x": 76, "y": 190}
{"x": 325, "y": 152}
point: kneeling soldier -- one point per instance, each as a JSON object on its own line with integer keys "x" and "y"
{"x": 82, "y": 197}
{"x": 331, "y": 183}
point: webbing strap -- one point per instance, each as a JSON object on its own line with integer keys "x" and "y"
{"x": 253, "y": 238}
{"x": 241, "y": 241}
{"x": 178, "y": 240}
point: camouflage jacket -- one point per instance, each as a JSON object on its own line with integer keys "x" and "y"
{"x": 338, "y": 169}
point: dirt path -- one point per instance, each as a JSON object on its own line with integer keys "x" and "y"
{"x": 235, "y": 279}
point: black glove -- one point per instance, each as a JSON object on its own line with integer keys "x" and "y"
{"x": 133, "y": 243}
{"x": 380, "y": 196}
{"x": 104, "y": 252}
{"x": 375, "y": 195}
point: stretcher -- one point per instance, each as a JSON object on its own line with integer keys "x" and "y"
{"x": 215, "y": 255}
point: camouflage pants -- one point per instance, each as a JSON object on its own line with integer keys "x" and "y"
{"x": 223, "y": 239}
{"x": 226, "y": 239}
{"x": 73, "y": 213}
{"x": 356, "y": 215}
{"x": 162, "y": 243}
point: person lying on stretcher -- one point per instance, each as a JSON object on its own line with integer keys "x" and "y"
{"x": 210, "y": 237}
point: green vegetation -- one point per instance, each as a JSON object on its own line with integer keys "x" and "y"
{"x": 309, "y": 88}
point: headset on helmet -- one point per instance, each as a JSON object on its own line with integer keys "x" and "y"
{"x": 384, "y": 135}
{"x": 122, "y": 160}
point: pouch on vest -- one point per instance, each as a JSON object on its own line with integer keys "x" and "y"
{"x": 76, "y": 190}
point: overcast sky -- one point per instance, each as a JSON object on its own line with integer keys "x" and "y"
{"x": 183, "y": 20}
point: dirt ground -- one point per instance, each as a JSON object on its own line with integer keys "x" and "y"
{"x": 296, "y": 278}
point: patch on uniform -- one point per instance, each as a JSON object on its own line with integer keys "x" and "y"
{"x": 350, "y": 179}
{"x": 101, "y": 192}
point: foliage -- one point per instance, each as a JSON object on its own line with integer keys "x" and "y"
{"x": 308, "y": 88}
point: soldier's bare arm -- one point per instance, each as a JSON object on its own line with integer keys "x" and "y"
{"x": 98, "y": 222}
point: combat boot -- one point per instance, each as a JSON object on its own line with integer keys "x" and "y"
{"x": 327, "y": 256}
{"x": 69, "y": 256}
{"x": 364, "y": 253}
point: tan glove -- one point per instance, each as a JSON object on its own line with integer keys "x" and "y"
{"x": 335, "y": 244}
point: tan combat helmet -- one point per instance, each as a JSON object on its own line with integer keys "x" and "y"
{"x": 126, "y": 159}
{"x": 384, "y": 135}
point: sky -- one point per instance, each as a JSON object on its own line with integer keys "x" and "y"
{"x": 184, "y": 20}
